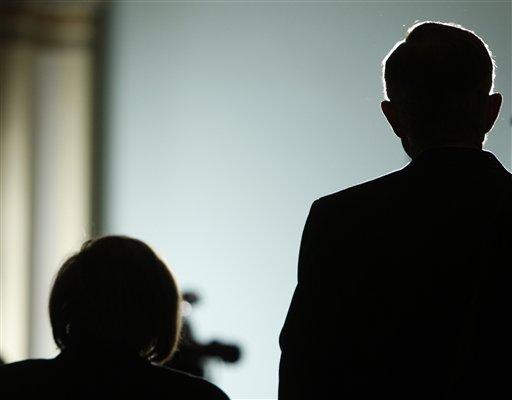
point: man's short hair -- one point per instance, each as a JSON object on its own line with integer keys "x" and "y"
{"x": 439, "y": 78}
{"x": 117, "y": 297}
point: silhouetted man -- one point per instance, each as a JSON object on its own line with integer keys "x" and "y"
{"x": 403, "y": 281}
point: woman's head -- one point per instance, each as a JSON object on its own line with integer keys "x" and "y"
{"x": 116, "y": 296}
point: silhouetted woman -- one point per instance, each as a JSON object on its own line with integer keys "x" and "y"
{"x": 114, "y": 311}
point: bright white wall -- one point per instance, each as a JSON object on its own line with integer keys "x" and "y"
{"x": 227, "y": 119}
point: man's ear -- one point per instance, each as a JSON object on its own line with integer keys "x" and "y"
{"x": 494, "y": 102}
{"x": 389, "y": 111}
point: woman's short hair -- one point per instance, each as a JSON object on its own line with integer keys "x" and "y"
{"x": 116, "y": 296}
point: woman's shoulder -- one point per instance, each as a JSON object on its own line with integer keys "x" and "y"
{"x": 21, "y": 372}
{"x": 24, "y": 366}
{"x": 60, "y": 376}
{"x": 189, "y": 386}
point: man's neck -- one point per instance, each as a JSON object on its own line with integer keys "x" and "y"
{"x": 418, "y": 152}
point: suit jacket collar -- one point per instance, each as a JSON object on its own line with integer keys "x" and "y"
{"x": 456, "y": 158}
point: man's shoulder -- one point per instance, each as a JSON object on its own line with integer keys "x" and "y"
{"x": 360, "y": 194}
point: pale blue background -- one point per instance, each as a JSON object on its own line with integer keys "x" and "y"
{"x": 227, "y": 119}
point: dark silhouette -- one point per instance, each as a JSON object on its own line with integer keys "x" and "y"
{"x": 403, "y": 281}
{"x": 114, "y": 310}
{"x": 192, "y": 354}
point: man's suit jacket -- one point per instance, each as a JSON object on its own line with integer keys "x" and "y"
{"x": 403, "y": 286}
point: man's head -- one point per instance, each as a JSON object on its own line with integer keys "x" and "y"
{"x": 438, "y": 83}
